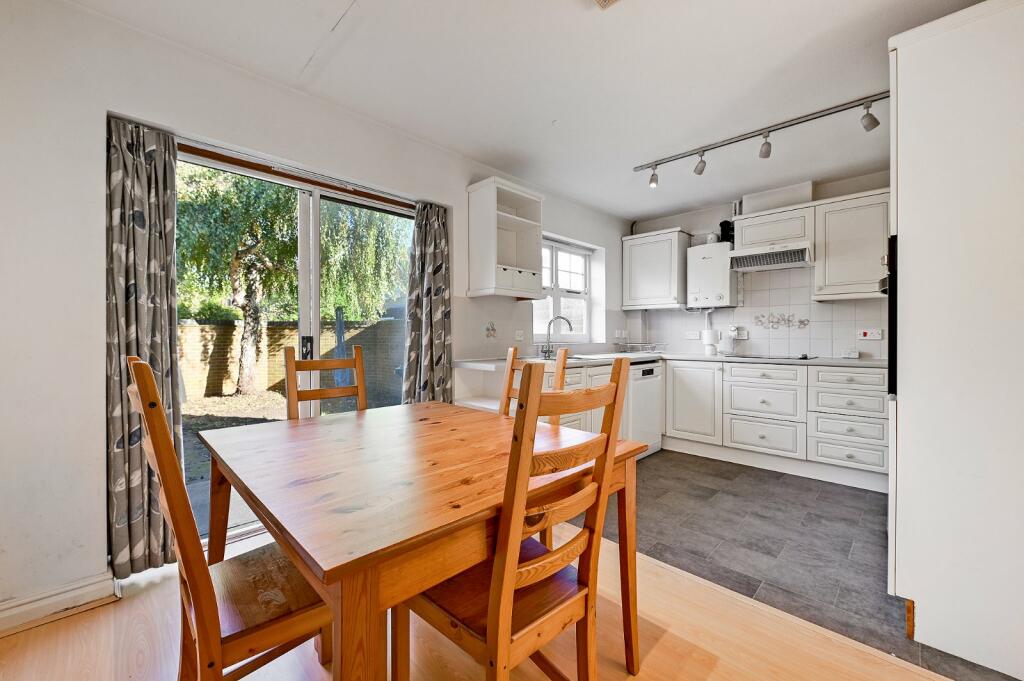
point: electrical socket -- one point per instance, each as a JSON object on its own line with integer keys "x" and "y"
{"x": 869, "y": 334}
{"x": 520, "y": 334}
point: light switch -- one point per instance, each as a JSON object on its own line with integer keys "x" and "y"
{"x": 869, "y": 334}
{"x": 520, "y": 334}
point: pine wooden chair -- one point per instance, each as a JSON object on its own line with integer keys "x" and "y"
{"x": 506, "y": 609}
{"x": 291, "y": 377}
{"x": 513, "y": 364}
{"x": 509, "y": 393}
{"x": 238, "y": 614}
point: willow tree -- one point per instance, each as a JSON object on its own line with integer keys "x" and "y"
{"x": 237, "y": 241}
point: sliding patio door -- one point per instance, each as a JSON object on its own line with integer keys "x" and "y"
{"x": 264, "y": 265}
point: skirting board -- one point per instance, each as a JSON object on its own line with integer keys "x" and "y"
{"x": 876, "y": 482}
{"x": 24, "y": 613}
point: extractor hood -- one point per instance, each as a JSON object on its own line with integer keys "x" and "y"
{"x": 773, "y": 257}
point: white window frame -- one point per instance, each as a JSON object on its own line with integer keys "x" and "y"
{"x": 559, "y": 331}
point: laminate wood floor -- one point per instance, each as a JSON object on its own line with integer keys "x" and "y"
{"x": 690, "y": 629}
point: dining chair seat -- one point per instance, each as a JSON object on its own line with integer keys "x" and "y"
{"x": 461, "y": 602}
{"x": 262, "y": 591}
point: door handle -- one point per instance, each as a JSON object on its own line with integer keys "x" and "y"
{"x": 307, "y": 347}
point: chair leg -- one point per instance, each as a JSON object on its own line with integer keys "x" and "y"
{"x": 400, "y": 643}
{"x": 547, "y": 537}
{"x": 586, "y": 644}
{"x": 324, "y": 647}
{"x": 188, "y": 663}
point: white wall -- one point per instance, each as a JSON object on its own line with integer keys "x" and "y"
{"x": 61, "y": 71}
{"x": 959, "y": 468}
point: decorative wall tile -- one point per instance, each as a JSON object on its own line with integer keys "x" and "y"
{"x": 776, "y": 324}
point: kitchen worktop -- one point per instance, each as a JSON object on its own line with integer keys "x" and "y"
{"x": 634, "y": 357}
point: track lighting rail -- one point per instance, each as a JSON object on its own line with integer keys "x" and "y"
{"x": 763, "y": 132}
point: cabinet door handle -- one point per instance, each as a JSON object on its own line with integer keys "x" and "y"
{"x": 849, "y": 379}
{"x": 850, "y": 456}
{"x": 850, "y": 403}
{"x": 851, "y": 429}
{"x": 764, "y": 401}
{"x": 764, "y": 375}
{"x": 762, "y": 436}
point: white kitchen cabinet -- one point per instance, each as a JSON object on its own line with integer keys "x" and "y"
{"x": 850, "y": 239}
{"x": 773, "y": 228}
{"x": 598, "y": 376}
{"x": 654, "y": 270}
{"x": 768, "y": 436}
{"x": 504, "y": 240}
{"x": 693, "y": 401}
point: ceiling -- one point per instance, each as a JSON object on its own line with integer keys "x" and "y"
{"x": 570, "y": 97}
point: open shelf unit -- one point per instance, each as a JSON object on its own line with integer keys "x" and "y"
{"x": 504, "y": 240}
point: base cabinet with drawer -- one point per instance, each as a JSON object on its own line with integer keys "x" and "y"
{"x": 848, "y": 411}
{"x": 832, "y": 415}
{"x": 765, "y": 408}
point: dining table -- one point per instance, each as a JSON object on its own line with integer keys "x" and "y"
{"x": 376, "y": 506}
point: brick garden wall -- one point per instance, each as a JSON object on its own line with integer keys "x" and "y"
{"x": 208, "y": 355}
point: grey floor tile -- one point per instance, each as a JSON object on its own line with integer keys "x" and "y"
{"x": 875, "y": 521}
{"x": 731, "y": 579}
{"x": 814, "y": 549}
{"x": 958, "y": 668}
{"x": 806, "y": 572}
{"x": 842, "y": 528}
{"x": 839, "y": 495}
{"x": 877, "y": 605}
{"x": 745, "y": 560}
{"x": 869, "y": 553}
{"x": 865, "y": 630}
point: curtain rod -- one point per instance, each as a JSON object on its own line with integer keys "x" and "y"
{"x": 846, "y": 106}
{"x": 244, "y": 160}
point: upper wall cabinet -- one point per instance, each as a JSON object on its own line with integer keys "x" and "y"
{"x": 504, "y": 240}
{"x": 850, "y": 239}
{"x": 654, "y": 270}
{"x": 768, "y": 229}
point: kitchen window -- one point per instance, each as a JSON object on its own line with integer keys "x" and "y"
{"x": 565, "y": 278}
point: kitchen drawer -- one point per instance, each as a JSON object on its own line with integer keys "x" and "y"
{"x": 855, "y": 402}
{"x": 780, "y": 374}
{"x": 850, "y": 377}
{"x": 505, "y": 277}
{"x": 783, "y": 438}
{"x": 573, "y": 379}
{"x": 851, "y": 454}
{"x": 854, "y": 428}
{"x": 526, "y": 280}
{"x": 767, "y": 401}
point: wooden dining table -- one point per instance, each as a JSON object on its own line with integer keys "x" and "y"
{"x": 376, "y": 506}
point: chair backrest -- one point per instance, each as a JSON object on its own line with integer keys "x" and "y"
{"x": 291, "y": 377}
{"x": 518, "y": 521}
{"x": 513, "y": 364}
{"x": 197, "y": 592}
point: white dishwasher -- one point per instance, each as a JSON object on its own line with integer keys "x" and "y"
{"x": 645, "y": 409}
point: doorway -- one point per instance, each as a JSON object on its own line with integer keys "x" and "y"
{"x": 264, "y": 264}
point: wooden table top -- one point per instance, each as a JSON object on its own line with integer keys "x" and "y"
{"x": 348, "y": 489}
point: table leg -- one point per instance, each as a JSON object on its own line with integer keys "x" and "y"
{"x": 626, "y": 499}
{"x": 220, "y": 500}
{"x": 360, "y": 629}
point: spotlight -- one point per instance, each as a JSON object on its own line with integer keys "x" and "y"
{"x": 654, "y": 177}
{"x": 701, "y": 165}
{"x": 766, "y": 147}
{"x": 868, "y": 120}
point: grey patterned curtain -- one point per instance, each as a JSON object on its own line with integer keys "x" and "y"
{"x": 428, "y": 367}
{"x": 141, "y": 320}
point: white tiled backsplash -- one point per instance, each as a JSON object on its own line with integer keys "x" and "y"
{"x": 781, "y": 298}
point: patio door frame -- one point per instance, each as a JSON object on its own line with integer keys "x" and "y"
{"x": 308, "y": 230}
